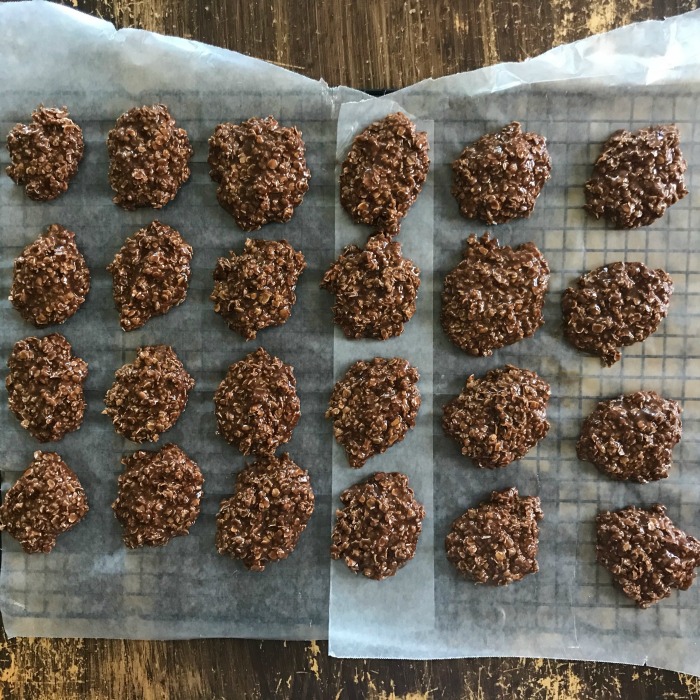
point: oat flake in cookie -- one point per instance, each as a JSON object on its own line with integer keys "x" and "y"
{"x": 373, "y": 407}
{"x": 499, "y": 418}
{"x": 377, "y": 530}
{"x": 646, "y": 553}
{"x": 257, "y": 406}
{"x": 497, "y": 542}
{"x": 159, "y": 496}
{"x": 494, "y": 297}
{"x": 257, "y": 288}
{"x": 375, "y": 289}
{"x": 44, "y": 502}
{"x": 614, "y": 306}
{"x": 637, "y": 176}
{"x": 150, "y": 274}
{"x": 631, "y": 438}
{"x": 50, "y": 278}
{"x": 45, "y": 386}
{"x": 148, "y": 394}
{"x": 261, "y": 170}
{"x": 45, "y": 154}
{"x": 500, "y": 176}
{"x": 384, "y": 172}
{"x": 148, "y": 158}
{"x": 263, "y": 520}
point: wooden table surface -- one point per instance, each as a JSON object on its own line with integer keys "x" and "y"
{"x": 368, "y": 44}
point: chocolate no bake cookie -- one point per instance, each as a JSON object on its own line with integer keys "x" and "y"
{"x": 500, "y": 176}
{"x": 148, "y": 158}
{"x": 497, "y": 542}
{"x": 384, "y": 172}
{"x": 375, "y": 289}
{"x": 631, "y": 438}
{"x": 263, "y": 520}
{"x": 148, "y": 394}
{"x": 46, "y": 501}
{"x": 256, "y": 288}
{"x": 498, "y": 419}
{"x": 614, "y": 306}
{"x": 150, "y": 274}
{"x": 44, "y": 155}
{"x": 257, "y": 407}
{"x": 637, "y": 176}
{"x": 646, "y": 553}
{"x": 373, "y": 407}
{"x": 377, "y": 531}
{"x": 494, "y": 297}
{"x": 159, "y": 496}
{"x": 45, "y": 386}
{"x": 50, "y": 278}
{"x": 261, "y": 171}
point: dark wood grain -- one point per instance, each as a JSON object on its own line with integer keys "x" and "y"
{"x": 369, "y": 44}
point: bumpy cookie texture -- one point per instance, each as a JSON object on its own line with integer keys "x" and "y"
{"x": 497, "y": 542}
{"x": 263, "y": 520}
{"x": 646, "y": 553}
{"x": 614, "y": 306}
{"x": 631, "y": 438}
{"x": 148, "y": 158}
{"x": 261, "y": 170}
{"x": 50, "y": 278}
{"x": 257, "y": 407}
{"x": 257, "y": 288}
{"x": 373, "y": 407}
{"x": 44, "y": 155}
{"x": 384, "y": 172}
{"x": 494, "y": 297}
{"x": 500, "y": 176}
{"x": 375, "y": 289}
{"x": 637, "y": 176}
{"x": 159, "y": 496}
{"x": 45, "y": 386}
{"x": 498, "y": 419}
{"x": 150, "y": 274}
{"x": 377, "y": 531}
{"x": 148, "y": 394}
{"x": 44, "y": 502}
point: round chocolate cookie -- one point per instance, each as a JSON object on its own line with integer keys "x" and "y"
{"x": 384, "y": 172}
{"x": 148, "y": 158}
{"x": 44, "y": 502}
{"x": 498, "y": 419}
{"x": 494, "y": 297}
{"x": 646, "y": 553}
{"x": 45, "y": 386}
{"x": 50, "y": 278}
{"x": 263, "y": 520}
{"x": 497, "y": 542}
{"x": 149, "y": 394}
{"x": 500, "y": 176}
{"x": 377, "y": 531}
{"x": 373, "y": 407}
{"x": 159, "y": 496}
{"x": 44, "y": 155}
{"x": 257, "y": 406}
{"x": 631, "y": 438}
{"x": 150, "y": 274}
{"x": 256, "y": 289}
{"x": 261, "y": 170}
{"x": 375, "y": 289}
{"x": 614, "y": 306}
{"x": 637, "y": 176}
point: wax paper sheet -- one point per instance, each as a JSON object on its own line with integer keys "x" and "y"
{"x": 576, "y": 96}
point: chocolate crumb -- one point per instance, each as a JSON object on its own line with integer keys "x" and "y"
{"x": 270, "y": 508}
